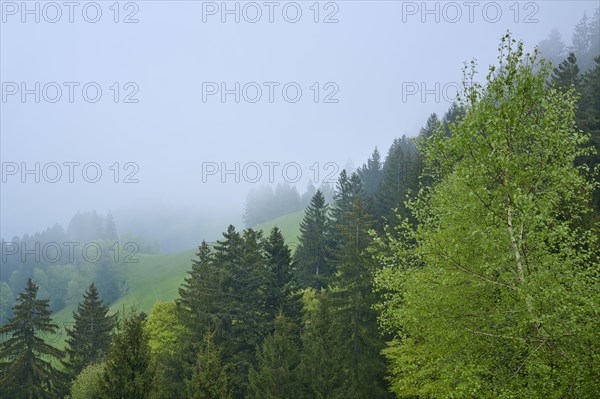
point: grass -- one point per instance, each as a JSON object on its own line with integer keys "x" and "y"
{"x": 158, "y": 277}
{"x": 288, "y": 224}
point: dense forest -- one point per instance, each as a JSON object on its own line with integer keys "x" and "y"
{"x": 462, "y": 263}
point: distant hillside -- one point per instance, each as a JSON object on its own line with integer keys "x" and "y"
{"x": 288, "y": 224}
{"x": 158, "y": 277}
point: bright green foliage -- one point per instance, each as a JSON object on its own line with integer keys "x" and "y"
{"x": 26, "y": 360}
{"x": 277, "y": 363}
{"x": 311, "y": 252}
{"x": 89, "y": 384}
{"x": 495, "y": 294}
{"x": 208, "y": 380}
{"x": 164, "y": 328}
{"x": 128, "y": 367}
{"x": 168, "y": 341}
{"x": 88, "y": 340}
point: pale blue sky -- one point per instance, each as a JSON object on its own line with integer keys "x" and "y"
{"x": 369, "y": 54}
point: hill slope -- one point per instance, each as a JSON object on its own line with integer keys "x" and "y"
{"x": 158, "y": 277}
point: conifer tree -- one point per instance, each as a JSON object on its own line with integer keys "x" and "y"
{"x": 26, "y": 365}
{"x": 209, "y": 379}
{"x": 348, "y": 190}
{"x": 371, "y": 174}
{"x": 400, "y": 175}
{"x": 352, "y": 300}
{"x": 128, "y": 374}
{"x": 88, "y": 340}
{"x": 321, "y": 368}
{"x": 247, "y": 310}
{"x": 309, "y": 258}
{"x": 281, "y": 281}
{"x": 278, "y": 358}
{"x": 588, "y": 119}
{"x": 199, "y": 296}
{"x": 566, "y": 75}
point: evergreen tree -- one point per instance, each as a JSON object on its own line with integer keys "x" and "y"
{"x": 352, "y": 299}
{"x": 105, "y": 278}
{"x": 208, "y": 380}
{"x": 310, "y": 255}
{"x": 321, "y": 367}
{"x": 594, "y": 42}
{"x": 7, "y": 300}
{"x": 281, "y": 281}
{"x": 588, "y": 119}
{"x": 566, "y": 75}
{"x": 25, "y": 372}
{"x": 245, "y": 283}
{"x": 128, "y": 374}
{"x": 200, "y": 295}
{"x": 308, "y": 194}
{"x": 581, "y": 38}
{"x": 400, "y": 176}
{"x": 110, "y": 228}
{"x": 89, "y": 339}
{"x": 552, "y": 48}
{"x": 348, "y": 189}
{"x": 432, "y": 124}
{"x": 276, "y": 376}
{"x": 371, "y": 173}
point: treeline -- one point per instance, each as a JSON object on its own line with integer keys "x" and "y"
{"x": 585, "y": 43}
{"x": 265, "y": 203}
{"x": 463, "y": 265}
{"x": 63, "y": 262}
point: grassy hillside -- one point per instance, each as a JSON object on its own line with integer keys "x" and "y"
{"x": 158, "y": 277}
{"x": 288, "y": 224}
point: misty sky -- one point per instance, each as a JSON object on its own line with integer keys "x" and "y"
{"x": 364, "y": 61}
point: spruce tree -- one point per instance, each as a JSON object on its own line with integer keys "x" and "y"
{"x": 432, "y": 124}
{"x": 566, "y": 75}
{"x": 246, "y": 281}
{"x": 588, "y": 119}
{"x": 199, "y": 296}
{"x": 27, "y": 361}
{"x": 89, "y": 339}
{"x": 321, "y": 369}
{"x": 352, "y": 300}
{"x": 400, "y": 176}
{"x": 371, "y": 173}
{"x": 280, "y": 292}
{"x": 278, "y": 359}
{"x": 128, "y": 373}
{"x": 309, "y": 258}
{"x": 208, "y": 380}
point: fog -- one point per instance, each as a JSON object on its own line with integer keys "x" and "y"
{"x": 178, "y": 113}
